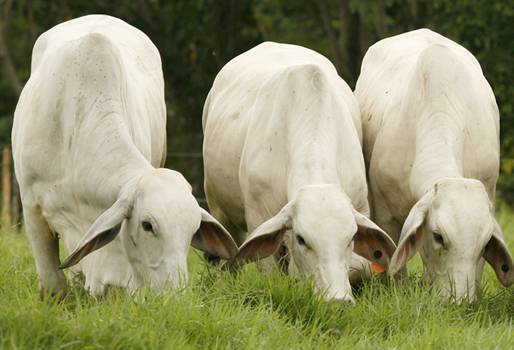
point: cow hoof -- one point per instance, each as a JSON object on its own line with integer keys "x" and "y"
{"x": 54, "y": 293}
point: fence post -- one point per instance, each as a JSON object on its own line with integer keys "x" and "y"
{"x": 6, "y": 187}
{"x": 16, "y": 212}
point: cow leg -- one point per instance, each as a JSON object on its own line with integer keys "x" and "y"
{"x": 235, "y": 231}
{"x": 253, "y": 220}
{"x": 393, "y": 226}
{"x": 479, "y": 272}
{"x": 238, "y": 233}
{"x": 382, "y": 216}
{"x": 45, "y": 248}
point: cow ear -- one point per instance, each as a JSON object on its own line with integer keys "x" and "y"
{"x": 498, "y": 256}
{"x": 104, "y": 230}
{"x": 411, "y": 236}
{"x": 371, "y": 242}
{"x": 266, "y": 239}
{"x": 213, "y": 238}
{"x": 106, "y": 227}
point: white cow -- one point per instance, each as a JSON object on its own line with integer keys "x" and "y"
{"x": 88, "y": 135}
{"x": 282, "y": 151}
{"x": 431, "y": 125}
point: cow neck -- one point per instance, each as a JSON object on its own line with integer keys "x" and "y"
{"x": 116, "y": 155}
{"x": 312, "y": 153}
{"x": 435, "y": 100}
{"x": 438, "y": 149}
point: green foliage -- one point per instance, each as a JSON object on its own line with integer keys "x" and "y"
{"x": 293, "y": 22}
{"x": 5, "y": 130}
{"x": 250, "y": 310}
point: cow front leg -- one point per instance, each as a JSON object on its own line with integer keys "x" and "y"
{"x": 45, "y": 248}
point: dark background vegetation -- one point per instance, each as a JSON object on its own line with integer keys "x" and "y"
{"x": 197, "y": 37}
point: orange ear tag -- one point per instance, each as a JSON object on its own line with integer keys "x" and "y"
{"x": 377, "y": 268}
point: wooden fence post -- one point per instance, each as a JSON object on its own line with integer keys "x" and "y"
{"x": 16, "y": 212}
{"x": 6, "y": 188}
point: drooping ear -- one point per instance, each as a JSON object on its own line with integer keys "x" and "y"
{"x": 412, "y": 233}
{"x": 371, "y": 242}
{"x": 498, "y": 256}
{"x": 266, "y": 239}
{"x": 213, "y": 238}
{"x": 104, "y": 229}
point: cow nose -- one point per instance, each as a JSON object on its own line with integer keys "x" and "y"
{"x": 343, "y": 298}
{"x": 346, "y": 300}
{"x": 458, "y": 288}
{"x": 468, "y": 295}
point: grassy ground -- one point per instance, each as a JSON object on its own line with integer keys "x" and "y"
{"x": 249, "y": 311}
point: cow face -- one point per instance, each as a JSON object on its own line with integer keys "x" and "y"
{"x": 454, "y": 229}
{"x": 157, "y": 218}
{"x": 325, "y": 230}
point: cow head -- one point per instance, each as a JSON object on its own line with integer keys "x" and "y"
{"x": 325, "y": 230}
{"x": 157, "y": 218}
{"x": 453, "y": 227}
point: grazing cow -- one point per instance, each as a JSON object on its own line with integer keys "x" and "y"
{"x": 282, "y": 152}
{"x": 431, "y": 126}
{"x": 88, "y": 136}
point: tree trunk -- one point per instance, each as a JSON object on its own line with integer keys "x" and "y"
{"x": 332, "y": 37}
{"x": 350, "y": 40}
{"x": 6, "y": 188}
{"x": 16, "y": 211}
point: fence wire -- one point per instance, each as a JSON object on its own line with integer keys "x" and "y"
{"x": 190, "y": 164}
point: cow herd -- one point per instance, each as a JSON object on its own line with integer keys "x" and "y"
{"x": 289, "y": 153}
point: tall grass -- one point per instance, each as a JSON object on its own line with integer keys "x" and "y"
{"x": 249, "y": 310}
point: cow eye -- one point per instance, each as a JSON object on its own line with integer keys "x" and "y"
{"x": 438, "y": 238}
{"x": 300, "y": 240}
{"x": 147, "y": 226}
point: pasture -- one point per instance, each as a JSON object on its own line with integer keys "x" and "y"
{"x": 249, "y": 311}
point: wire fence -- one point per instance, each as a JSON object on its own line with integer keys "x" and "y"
{"x": 190, "y": 164}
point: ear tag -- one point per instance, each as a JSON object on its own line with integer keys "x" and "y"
{"x": 376, "y": 267}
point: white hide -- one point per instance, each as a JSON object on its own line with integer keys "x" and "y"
{"x": 89, "y": 132}
{"x": 431, "y": 143}
{"x": 283, "y": 136}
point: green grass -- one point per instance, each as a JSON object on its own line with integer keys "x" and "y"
{"x": 249, "y": 311}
